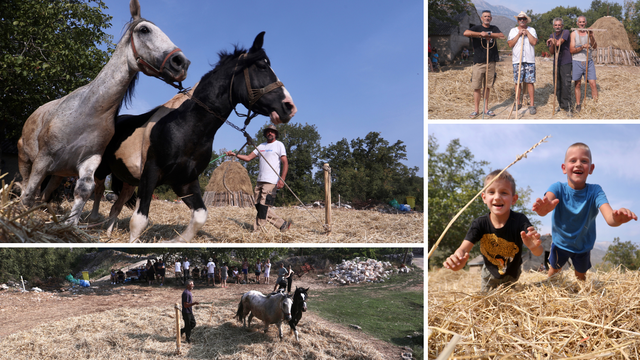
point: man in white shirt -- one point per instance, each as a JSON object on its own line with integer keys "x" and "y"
{"x": 268, "y": 182}
{"x": 185, "y": 268}
{"x": 526, "y": 36}
{"x": 211, "y": 267}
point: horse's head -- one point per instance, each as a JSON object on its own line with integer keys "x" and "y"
{"x": 285, "y": 306}
{"x": 152, "y": 52}
{"x": 301, "y": 295}
{"x": 256, "y": 85}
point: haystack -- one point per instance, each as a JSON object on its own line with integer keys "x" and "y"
{"x": 613, "y": 44}
{"x": 229, "y": 185}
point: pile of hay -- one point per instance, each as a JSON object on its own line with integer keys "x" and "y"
{"x": 36, "y": 225}
{"x": 229, "y": 185}
{"x": 149, "y": 333}
{"x": 615, "y": 36}
{"x": 539, "y": 318}
{"x": 451, "y": 96}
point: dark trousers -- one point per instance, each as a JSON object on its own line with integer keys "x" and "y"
{"x": 186, "y": 274}
{"x": 289, "y": 281}
{"x": 189, "y": 324}
{"x": 563, "y": 86}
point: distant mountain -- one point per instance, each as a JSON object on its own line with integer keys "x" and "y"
{"x": 602, "y": 245}
{"x": 495, "y": 9}
{"x": 503, "y": 23}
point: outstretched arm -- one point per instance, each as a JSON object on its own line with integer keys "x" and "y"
{"x": 617, "y": 217}
{"x": 460, "y": 257}
{"x": 545, "y": 205}
{"x": 531, "y": 239}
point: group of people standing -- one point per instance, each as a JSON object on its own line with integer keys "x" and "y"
{"x": 572, "y": 60}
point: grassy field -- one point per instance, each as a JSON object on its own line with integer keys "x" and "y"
{"x": 388, "y": 311}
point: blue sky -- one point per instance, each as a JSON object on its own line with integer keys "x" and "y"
{"x": 542, "y": 6}
{"x": 615, "y": 150}
{"x": 352, "y": 67}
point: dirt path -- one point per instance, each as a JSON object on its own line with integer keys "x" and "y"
{"x": 23, "y": 311}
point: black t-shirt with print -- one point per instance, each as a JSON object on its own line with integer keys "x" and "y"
{"x": 500, "y": 248}
{"x": 480, "y": 45}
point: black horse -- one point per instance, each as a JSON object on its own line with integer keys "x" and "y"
{"x": 172, "y": 144}
{"x": 299, "y": 306}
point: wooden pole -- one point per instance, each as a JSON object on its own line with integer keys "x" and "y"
{"x": 555, "y": 78}
{"x": 327, "y": 196}
{"x": 515, "y": 103}
{"x": 177, "y": 307}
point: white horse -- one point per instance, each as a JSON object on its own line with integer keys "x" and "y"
{"x": 67, "y": 136}
{"x": 271, "y": 309}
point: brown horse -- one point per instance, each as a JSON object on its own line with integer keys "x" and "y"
{"x": 67, "y": 136}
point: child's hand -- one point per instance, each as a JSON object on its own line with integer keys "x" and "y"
{"x": 457, "y": 261}
{"x": 623, "y": 215}
{"x": 531, "y": 239}
{"x": 544, "y": 206}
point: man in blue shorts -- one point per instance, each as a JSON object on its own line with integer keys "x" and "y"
{"x": 526, "y": 36}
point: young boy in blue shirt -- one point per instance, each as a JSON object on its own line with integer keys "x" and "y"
{"x": 576, "y": 205}
{"x": 501, "y": 234}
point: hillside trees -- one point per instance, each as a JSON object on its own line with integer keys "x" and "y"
{"x": 47, "y": 49}
{"x": 624, "y": 253}
{"x": 39, "y": 263}
{"x": 445, "y": 10}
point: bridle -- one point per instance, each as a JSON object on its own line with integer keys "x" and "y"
{"x": 254, "y": 94}
{"x": 147, "y": 68}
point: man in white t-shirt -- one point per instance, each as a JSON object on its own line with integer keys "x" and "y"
{"x": 526, "y": 36}
{"x": 185, "y": 268}
{"x": 268, "y": 182}
{"x": 211, "y": 267}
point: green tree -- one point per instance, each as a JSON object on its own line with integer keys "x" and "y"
{"x": 47, "y": 49}
{"x": 625, "y": 253}
{"x": 600, "y": 8}
{"x": 632, "y": 23}
{"x": 454, "y": 179}
{"x": 371, "y": 168}
{"x": 444, "y": 11}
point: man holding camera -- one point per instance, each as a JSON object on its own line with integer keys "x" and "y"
{"x": 483, "y": 37}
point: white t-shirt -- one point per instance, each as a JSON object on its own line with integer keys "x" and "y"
{"x": 186, "y": 265}
{"x": 211, "y": 267}
{"x": 528, "y": 56}
{"x": 272, "y": 152}
{"x": 178, "y": 266}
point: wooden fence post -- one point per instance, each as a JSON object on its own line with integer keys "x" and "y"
{"x": 177, "y": 307}
{"x": 327, "y": 196}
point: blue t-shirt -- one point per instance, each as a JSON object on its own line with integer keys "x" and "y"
{"x": 573, "y": 224}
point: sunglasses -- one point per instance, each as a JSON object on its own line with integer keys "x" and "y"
{"x": 519, "y": 19}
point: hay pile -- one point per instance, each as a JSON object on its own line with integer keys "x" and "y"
{"x": 229, "y": 185}
{"x": 21, "y": 225}
{"x": 149, "y": 333}
{"x": 615, "y": 36}
{"x": 539, "y": 318}
{"x": 451, "y": 96}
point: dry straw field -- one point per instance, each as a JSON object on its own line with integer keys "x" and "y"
{"x": 451, "y": 96}
{"x": 540, "y": 318}
{"x": 149, "y": 333}
{"x": 224, "y": 225}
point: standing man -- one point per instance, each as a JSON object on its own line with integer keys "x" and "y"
{"x": 211, "y": 269}
{"x": 528, "y": 68}
{"x": 560, "y": 38}
{"x": 483, "y": 37}
{"x": 268, "y": 182}
{"x": 187, "y": 311}
{"x": 185, "y": 268}
{"x": 161, "y": 270}
{"x": 178, "y": 271}
{"x": 581, "y": 40}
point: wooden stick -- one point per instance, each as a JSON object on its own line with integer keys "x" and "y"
{"x": 327, "y": 196}
{"x": 555, "y": 80}
{"x": 177, "y": 307}
{"x": 524, "y": 155}
{"x": 586, "y": 78}
{"x": 486, "y": 83}
{"x": 515, "y": 103}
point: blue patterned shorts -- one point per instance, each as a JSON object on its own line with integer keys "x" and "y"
{"x": 527, "y": 74}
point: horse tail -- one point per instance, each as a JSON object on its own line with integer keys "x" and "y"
{"x": 116, "y": 187}
{"x": 240, "y": 311}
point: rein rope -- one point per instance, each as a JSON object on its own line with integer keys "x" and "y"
{"x": 254, "y": 96}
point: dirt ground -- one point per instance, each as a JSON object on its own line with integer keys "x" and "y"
{"x": 24, "y": 311}
{"x": 451, "y": 96}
